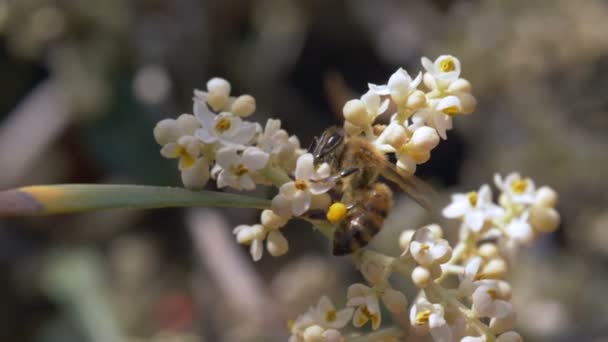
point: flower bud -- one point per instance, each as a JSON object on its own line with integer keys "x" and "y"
{"x": 395, "y": 301}
{"x": 166, "y": 131}
{"x": 543, "y": 219}
{"x": 188, "y": 124}
{"x": 460, "y": 85}
{"x": 405, "y": 238}
{"x": 332, "y": 335}
{"x": 271, "y": 220}
{"x": 500, "y": 325}
{"x": 196, "y": 176}
{"x": 243, "y": 106}
{"x": 314, "y": 333}
{"x": 276, "y": 243}
{"x": 395, "y": 135}
{"x": 510, "y": 336}
{"x": 246, "y": 234}
{"x": 435, "y": 230}
{"x": 546, "y": 197}
{"x": 495, "y": 269}
{"x": 416, "y": 100}
{"x": 421, "y": 276}
{"x": 355, "y": 113}
{"x": 468, "y": 103}
{"x": 425, "y": 138}
{"x": 488, "y": 250}
{"x": 352, "y": 129}
{"x": 218, "y": 92}
{"x": 504, "y": 290}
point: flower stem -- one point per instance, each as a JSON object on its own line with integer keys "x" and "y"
{"x": 378, "y": 335}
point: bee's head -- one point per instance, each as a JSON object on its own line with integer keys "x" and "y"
{"x": 328, "y": 146}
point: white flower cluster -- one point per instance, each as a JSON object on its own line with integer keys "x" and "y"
{"x": 479, "y": 308}
{"x": 420, "y": 118}
{"x": 216, "y": 142}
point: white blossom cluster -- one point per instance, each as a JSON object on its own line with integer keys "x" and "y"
{"x": 216, "y": 142}
{"x": 479, "y": 308}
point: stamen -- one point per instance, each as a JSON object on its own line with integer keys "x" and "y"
{"x": 331, "y": 315}
{"x": 422, "y": 317}
{"x": 519, "y": 186}
{"x": 447, "y": 65}
{"x": 301, "y": 184}
{"x": 241, "y": 170}
{"x": 223, "y": 125}
{"x": 472, "y": 196}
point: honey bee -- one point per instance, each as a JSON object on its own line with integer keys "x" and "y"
{"x": 358, "y": 165}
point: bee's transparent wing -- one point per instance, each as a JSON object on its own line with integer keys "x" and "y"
{"x": 416, "y": 188}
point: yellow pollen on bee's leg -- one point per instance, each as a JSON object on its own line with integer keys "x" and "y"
{"x": 223, "y": 125}
{"x": 422, "y": 317}
{"x": 519, "y": 186}
{"x": 472, "y": 197}
{"x": 301, "y": 184}
{"x": 241, "y": 170}
{"x": 331, "y": 315}
{"x": 447, "y": 65}
{"x": 336, "y": 212}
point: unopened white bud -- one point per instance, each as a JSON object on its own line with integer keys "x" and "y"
{"x": 196, "y": 176}
{"x": 435, "y": 230}
{"x": 355, "y": 113}
{"x": 332, "y": 335}
{"x": 166, "y": 131}
{"x": 504, "y": 290}
{"x": 460, "y": 85}
{"x": 395, "y": 135}
{"x": 488, "y": 250}
{"x": 421, "y": 276}
{"x": 276, "y": 243}
{"x": 500, "y": 325}
{"x": 429, "y": 81}
{"x": 246, "y": 234}
{"x": 314, "y": 333}
{"x": 243, "y": 106}
{"x": 468, "y": 103}
{"x": 495, "y": 269}
{"x": 420, "y": 157}
{"x": 405, "y": 238}
{"x": 416, "y": 100}
{"x": 271, "y": 220}
{"x": 188, "y": 124}
{"x": 218, "y": 92}
{"x": 510, "y": 336}
{"x": 546, "y": 197}
{"x": 395, "y": 301}
{"x": 543, "y": 219}
{"x": 425, "y": 138}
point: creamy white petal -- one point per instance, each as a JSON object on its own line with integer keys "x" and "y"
{"x": 245, "y": 182}
{"x": 301, "y": 202}
{"x": 474, "y": 219}
{"x": 254, "y": 158}
{"x": 305, "y": 167}
{"x": 204, "y": 115}
{"x": 257, "y": 249}
{"x": 227, "y": 157}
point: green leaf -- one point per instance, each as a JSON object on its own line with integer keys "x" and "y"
{"x": 70, "y": 198}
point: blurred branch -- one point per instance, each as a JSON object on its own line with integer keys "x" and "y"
{"x": 70, "y": 198}
{"x": 30, "y": 129}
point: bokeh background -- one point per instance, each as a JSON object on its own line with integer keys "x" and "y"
{"x": 84, "y": 83}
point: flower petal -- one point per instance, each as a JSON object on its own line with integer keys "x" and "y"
{"x": 301, "y": 202}
{"x": 305, "y": 167}
{"x": 254, "y": 158}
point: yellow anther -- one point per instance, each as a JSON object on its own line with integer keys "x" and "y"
{"x": 424, "y": 247}
{"x": 519, "y": 186}
{"x": 451, "y": 110}
{"x": 241, "y": 170}
{"x": 187, "y": 161}
{"x": 422, "y": 317}
{"x": 472, "y": 196}
{"x": 336, "y": 212}
{"x": 301, "y": 185}
{"x": 493, "y": 294}
{"x": 223, "y": 125}
{"x": 447, "y": 65}
{"x": 331, "y": 315}
{"x": 290, "y": 324}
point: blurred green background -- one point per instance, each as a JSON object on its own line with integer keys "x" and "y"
{"x": 86, "y": 81}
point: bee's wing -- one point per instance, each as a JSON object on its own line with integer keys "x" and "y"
{"x": 416, "y": 188}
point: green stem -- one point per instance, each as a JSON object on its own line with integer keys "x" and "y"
{"x": 378, "y": 335}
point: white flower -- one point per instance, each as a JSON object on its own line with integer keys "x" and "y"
{"x": 224, "y": 128}
{"x": 425, "y": 317}
{"x": 519, "y": 190}
{"x": 443, "y": 71}
{"x": 326, "y": 315}
{"x": 273, "y": 138}
{"x": 295, "y": 197}
{"x": 400, "y": 86}
{"x": 170, "y": 130}
{"x": 362, "y": 112}
{"x": 487, "y": 302}
{"x": 365, "y": 299}
{"x": 395, "y": 301}
{"x": 428, "y": 250}
{"x": 299, "y": 325}
{"x": 520, "y": 230}
{"x": 196, "y": 177}
{"x": 436, "y": 114}
{"x": 187, "y": 149}
{"x": 475, "y": 207}
{"x": 252, "y": 236}
{"x": 470, "y": 280}
{"x": 237, "y": 169}
{"x": 217, "y": 94}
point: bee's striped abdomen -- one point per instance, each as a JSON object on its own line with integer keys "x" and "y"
{"x": 364, "y": 220}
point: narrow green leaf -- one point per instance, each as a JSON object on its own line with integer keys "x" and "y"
{"x": 69, "y": 198}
